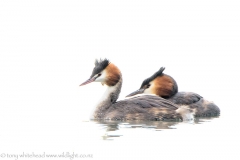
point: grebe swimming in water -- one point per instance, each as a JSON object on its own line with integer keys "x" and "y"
{"x": 146, "y": 107}
{"x": 166, "y": 87}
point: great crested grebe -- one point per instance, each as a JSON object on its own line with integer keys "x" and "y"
{"x": 146, "y": 107}
{"x": 166, "y": 87}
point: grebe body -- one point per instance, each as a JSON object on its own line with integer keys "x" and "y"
{"x": 146, "y": 107}
{"x": 166, "y": 87}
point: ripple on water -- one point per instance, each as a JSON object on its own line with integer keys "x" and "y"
{"x": 110, "y": 130}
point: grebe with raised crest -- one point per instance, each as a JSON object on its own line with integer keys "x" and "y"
{"x": 145, "y": 107}
{"x": 166, "y": 87}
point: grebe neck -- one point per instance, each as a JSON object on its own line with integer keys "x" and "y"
{"x": 109, "y": 97}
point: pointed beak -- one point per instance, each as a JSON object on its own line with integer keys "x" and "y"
{"x": 136, "y": 92}
{"x": 88, "y": 81}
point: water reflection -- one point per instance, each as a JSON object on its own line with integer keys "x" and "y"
{"x": 113, "y": 129}
{"x": 204, "y": 119}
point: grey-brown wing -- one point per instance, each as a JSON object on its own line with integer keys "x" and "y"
{"x": 147, "y": 101}
{"x": 185, "y": 98}
{"x": 194, "y": 101}
{"x": 148, "y": 107}
{"x": 205, "y": 108}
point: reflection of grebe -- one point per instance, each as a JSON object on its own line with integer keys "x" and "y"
{"x": 166, "y": 87}
{"x": 146, "y": 107}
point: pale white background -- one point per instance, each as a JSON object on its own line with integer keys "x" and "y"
{"x": 47, "y": 48}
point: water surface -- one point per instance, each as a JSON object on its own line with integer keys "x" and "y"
{"x": 118, "y": 129}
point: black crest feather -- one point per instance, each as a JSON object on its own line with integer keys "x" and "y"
{"x": 100, "y": 65}
{"x": 155, "y": 75}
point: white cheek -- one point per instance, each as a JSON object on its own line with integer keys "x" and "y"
{"x": 147, "y": 91}
{"x": 150, "y": 89}
{"x": 102, "y": 77}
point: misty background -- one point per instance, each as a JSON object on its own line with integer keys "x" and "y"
{"x": 47, "y": 48}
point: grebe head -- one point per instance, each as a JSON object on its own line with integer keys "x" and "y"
{"x": 159, "y": 84}
{"x": 104, "y": 72}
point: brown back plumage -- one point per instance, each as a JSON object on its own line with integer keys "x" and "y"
{"x": 147, "y": 107}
